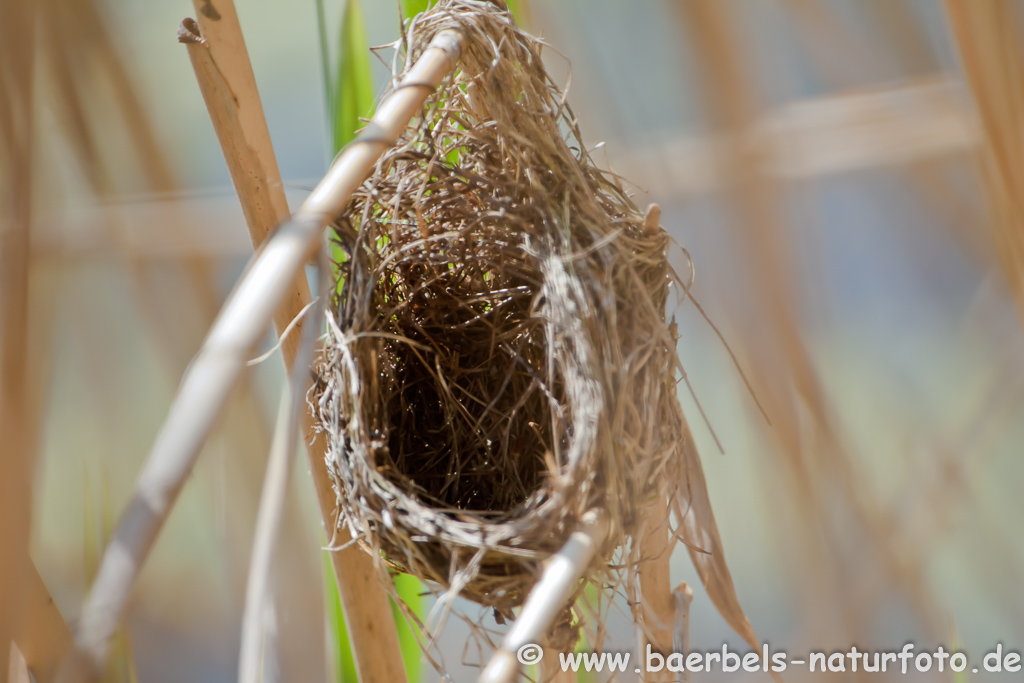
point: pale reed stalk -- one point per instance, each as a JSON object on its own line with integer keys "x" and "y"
{"x": 547, "y": 599}
{"x": 219, "y": 363}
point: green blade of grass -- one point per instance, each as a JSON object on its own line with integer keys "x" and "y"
{"x": 954, "y": 646}
{"x": 410, "y": 590}
{"x": 325, "y": 61}
{"x": 583, "y": 645}
{"x": 350, "y": 96}
{"x": 514, "y": 6}
{"x": 410, "y": 8}
{"x": 341, "y": 664}
{"x": 348, "y": 87}
{"x": 92, "y": 544}
{"x": 353, "y": 85}
{"x": 98, "y": 519}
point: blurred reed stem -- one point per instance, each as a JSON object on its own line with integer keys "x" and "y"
{"x": 988, "y": 35}
{"x": 222, "y": 68}
{"x": 17, "y": 64}
{"x": 17, "y": 668}
{"x": 558, "y": 583}
{"x": 82, "y": 57}
{"x": 270, "y": 282}
{"x": 45, "y": 638}
{"x": 811, "y": 449}
{"x": 258, "y": 594}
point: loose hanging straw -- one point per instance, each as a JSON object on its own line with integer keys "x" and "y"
{"x": 275, "y": 486}
{"x": 208, "y": 380}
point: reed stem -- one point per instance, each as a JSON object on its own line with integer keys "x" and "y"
{"x": 272, "y": 501}
{"x": 547, "y": 599}
{"x": 268, "y": 290}
{"x": 988, "y": 35}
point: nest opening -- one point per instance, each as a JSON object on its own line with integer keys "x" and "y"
{"x": 464, "y": 389}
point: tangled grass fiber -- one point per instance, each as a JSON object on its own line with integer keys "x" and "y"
{"x": 498, "y": 358}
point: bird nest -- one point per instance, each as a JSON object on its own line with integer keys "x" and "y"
{"x": 498, "y": 360}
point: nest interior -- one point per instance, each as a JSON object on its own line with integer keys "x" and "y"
{"x": 498, "y": 358}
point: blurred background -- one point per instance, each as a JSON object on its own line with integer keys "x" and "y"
{"x": 840, "y": 172}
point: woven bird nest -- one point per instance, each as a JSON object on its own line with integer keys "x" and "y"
{"x": 498, "y": 359}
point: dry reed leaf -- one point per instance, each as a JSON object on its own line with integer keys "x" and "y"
{"x": 699, "y": 531}
{"x": 658, "y": 611}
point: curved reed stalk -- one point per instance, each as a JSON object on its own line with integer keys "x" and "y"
{"x": 217, "y": 366}
{"x": 272, "y": 500}
{"x": 556, "y": 586}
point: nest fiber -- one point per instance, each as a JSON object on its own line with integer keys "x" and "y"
{"x": 498, "y": 359}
